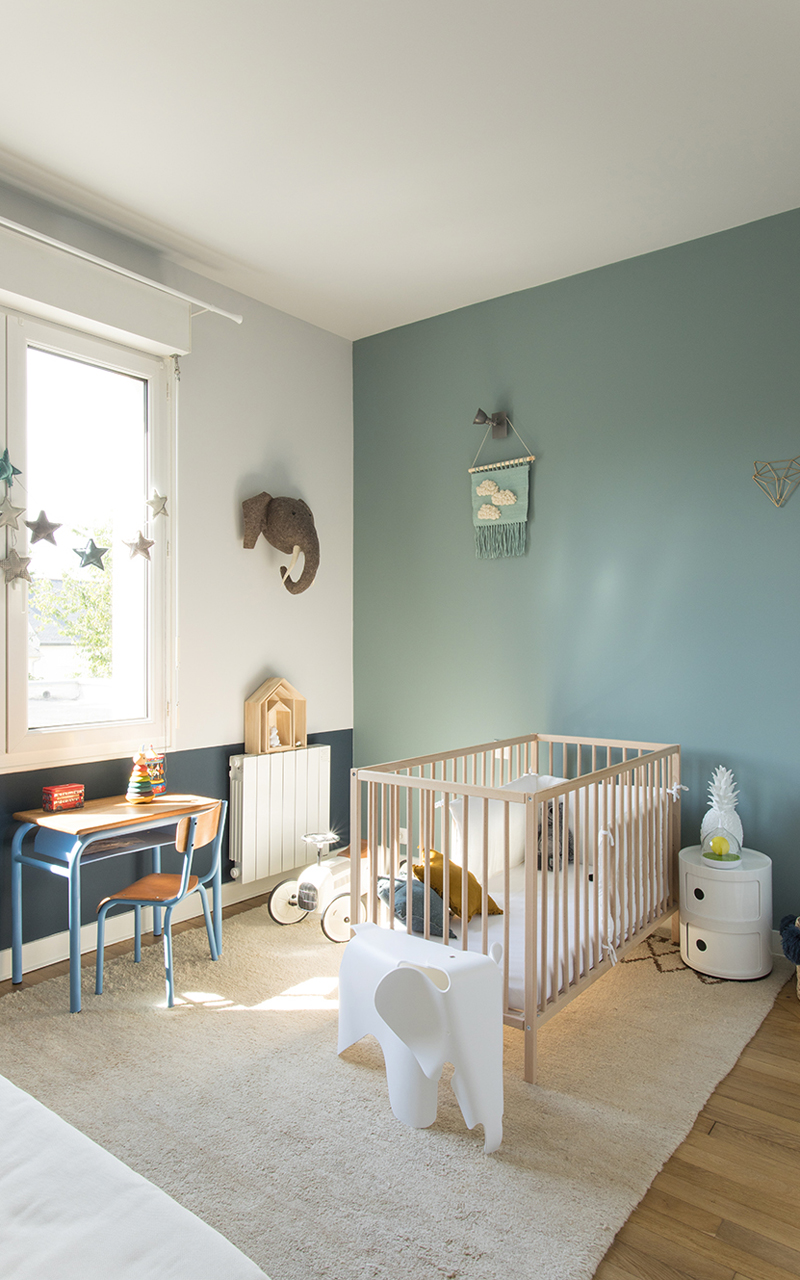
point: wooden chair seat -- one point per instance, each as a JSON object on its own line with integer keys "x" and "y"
{"x": 159, "y": 886}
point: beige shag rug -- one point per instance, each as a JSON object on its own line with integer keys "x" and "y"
{"x": 237, "y": 1105}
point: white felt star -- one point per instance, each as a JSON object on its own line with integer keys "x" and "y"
{"x": 141, "y": 547}
{"x": 15, "y": 566}
{"x": 42, "y": 529}
{"x": 9, "y": 514}
{"x": 158, "y": 503}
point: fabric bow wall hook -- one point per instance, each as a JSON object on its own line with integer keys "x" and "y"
{"x": 288, "y": 524}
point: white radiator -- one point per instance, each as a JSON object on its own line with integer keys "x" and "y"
{"x": 275, "y": 800}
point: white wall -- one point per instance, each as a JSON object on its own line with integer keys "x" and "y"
{"x": 264, "y": 405}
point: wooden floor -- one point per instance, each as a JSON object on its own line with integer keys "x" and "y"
{"x": 727, "y": 1204}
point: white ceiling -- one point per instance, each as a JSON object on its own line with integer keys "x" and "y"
{"x": 365, "y": 163}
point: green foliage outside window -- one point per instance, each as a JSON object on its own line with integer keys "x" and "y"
{"x": 80, "y": 607}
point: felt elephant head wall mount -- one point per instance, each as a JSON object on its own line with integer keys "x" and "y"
{"x": 286, "y": 523}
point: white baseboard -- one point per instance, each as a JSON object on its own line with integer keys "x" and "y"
{"x": 55, "y": 947}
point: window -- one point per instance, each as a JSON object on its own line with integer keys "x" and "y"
{"x": 88, "y": 430}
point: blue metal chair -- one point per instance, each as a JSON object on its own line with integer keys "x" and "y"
{"x": 165, "y": 889}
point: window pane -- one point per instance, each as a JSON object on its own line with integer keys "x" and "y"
{"x": 87, "y": 471}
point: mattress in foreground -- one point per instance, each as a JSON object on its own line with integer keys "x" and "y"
{"x": 69, "y": 1210}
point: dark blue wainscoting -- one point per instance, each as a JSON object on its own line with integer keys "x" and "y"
{"x": 203, "y": 772}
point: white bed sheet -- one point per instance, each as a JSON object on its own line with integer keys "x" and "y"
{"x": 69, "y": 1210}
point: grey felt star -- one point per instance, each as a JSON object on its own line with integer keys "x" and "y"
{"x": 15, "y": 566}
{"x": 141, "y": 547}
{"x": 7, "y": 471}
{"x": 158, "y": 504}
{"x": 91, "y": 554}
{"x": 42, "y": 529}
{"x": 9, "y": 514}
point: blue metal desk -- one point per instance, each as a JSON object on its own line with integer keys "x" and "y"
{"x": 101, "y": 829}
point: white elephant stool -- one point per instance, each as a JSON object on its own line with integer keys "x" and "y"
{"x": 427, "y": 1004}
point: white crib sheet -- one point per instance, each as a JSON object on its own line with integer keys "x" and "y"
{"x": 516, "y": 936}
{"x": 611, "y": 931}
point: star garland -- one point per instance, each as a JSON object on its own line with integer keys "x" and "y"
{"x": 42, "y": 529}
{"x": 91, "y": 554}
{"x": 158, "y": 504}
{"x": 7, "y": 470}
{"x": 141, "y": 546}
{"x": 15, "y": 567}
{"x": 9, "y": 514}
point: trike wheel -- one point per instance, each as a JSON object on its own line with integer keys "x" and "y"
{"x": 282, "y": 903}
{"x": 336, "y": 918}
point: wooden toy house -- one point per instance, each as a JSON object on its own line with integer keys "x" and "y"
{"x": 274, "y": 718}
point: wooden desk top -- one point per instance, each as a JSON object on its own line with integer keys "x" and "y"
{"x": 98, "y": 815}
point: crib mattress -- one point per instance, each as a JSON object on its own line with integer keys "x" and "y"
{"x": 515, "y": 906}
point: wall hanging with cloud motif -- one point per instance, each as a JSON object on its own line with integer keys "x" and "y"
{"x": 500, "y": 504}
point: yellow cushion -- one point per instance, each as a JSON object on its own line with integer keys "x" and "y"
{"x": 474, "y": 891}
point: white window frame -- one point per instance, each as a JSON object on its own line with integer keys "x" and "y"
{"x": 31, "y": 748}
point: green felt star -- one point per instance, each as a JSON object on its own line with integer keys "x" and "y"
{"x": 42, "y": 529}
{"x": 9, "y": 514}
{"x": 141, "y": 547}
{"x": 7, "y": 471}
{"x": 15, "y": 566}
{"x": 158, "y": 504}
{"x": 91, "y": 554}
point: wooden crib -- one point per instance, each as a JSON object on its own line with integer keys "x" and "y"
{"x": 576, "y": 839}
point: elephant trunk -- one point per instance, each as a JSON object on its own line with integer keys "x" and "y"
{"x": 310, "y": 566}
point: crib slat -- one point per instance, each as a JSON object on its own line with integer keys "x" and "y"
{"x": 485, "y": 877}
{"x": 531, "y": 940}
{"x": 409, "y": 856}
{"x": 446, "y": 867}
{"x": 355, "y": 843}
{"x": 506, "y": 902}
{"x": 372, "y": 842}
{"x": 542, "y": 856}
{"x": 464, "y": 871}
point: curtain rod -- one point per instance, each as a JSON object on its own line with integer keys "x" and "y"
{"x": 112, "y": 266}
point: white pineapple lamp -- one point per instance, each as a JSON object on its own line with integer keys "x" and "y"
{"x": 721, "y": 848}
{"x": 721, "y": 831}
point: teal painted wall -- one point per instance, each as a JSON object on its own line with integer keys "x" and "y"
{"x": 659, "y": 597}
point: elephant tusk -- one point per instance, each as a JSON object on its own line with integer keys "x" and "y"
{"x": 287, "y": 569}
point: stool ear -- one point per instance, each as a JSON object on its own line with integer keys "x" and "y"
{"x": 414, "y": 1008}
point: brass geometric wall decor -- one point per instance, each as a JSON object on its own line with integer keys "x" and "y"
{"x": 778, "y": 479}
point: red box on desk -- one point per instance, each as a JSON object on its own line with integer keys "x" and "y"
{"x": 66, "y": 795}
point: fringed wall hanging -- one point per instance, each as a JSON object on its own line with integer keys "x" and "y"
{"x": 500, "y": 498}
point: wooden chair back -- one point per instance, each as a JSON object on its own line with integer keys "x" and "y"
{"x": 205, "y": 829}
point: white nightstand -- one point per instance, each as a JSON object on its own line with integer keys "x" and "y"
{"x": 726, "y": 914}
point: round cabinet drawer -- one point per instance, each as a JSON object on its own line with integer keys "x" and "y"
{"x": 726, "y": 955}
{"x": 719, "y": 899}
